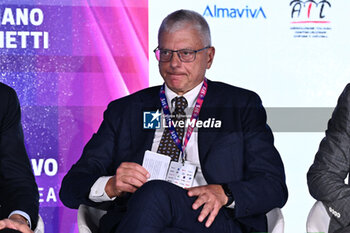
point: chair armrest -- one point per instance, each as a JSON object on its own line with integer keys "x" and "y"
{"x": 318, "y": 219}
{"x": 275, "y": 221}
{"x": 89, "y": 218}
{"x": 40, "y": 226}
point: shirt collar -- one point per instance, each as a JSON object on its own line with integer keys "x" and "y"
{"x": 190, "y": 96}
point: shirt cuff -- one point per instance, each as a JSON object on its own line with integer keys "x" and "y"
{"x": 24, "y": 215}
{"x": 97, "y": 191}
{"x": 232, "y": 205}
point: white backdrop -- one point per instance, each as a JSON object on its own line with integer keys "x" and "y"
{"x": 264, "y": 55}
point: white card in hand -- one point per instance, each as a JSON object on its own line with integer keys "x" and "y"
{"x": 181, "y": 175}
{"x": 156, "y": 164}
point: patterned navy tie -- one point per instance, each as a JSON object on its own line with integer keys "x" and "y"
{"x": 167, "y": 145}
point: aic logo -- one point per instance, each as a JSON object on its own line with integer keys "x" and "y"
{"x": 309, "y": 9}
{"x": 310, "y": 19}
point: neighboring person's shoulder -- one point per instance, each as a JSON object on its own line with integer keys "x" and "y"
{"x": 8, "y": 98}
{"x": 6, "y": 92}
{"x": 347, "y": 87}
{"x": 345, "y": 95}
{"x": 9, "y": 107}
{"x": 344, "y": 99}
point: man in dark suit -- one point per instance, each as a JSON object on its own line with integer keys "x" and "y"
{"x": 326, "y": 176}
{"x": 19, "y": 195}
{"x": 240, "y": 175}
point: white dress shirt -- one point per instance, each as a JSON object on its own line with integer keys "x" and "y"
{"x": 23, "y": 214}
{"x": 191, "y": 150}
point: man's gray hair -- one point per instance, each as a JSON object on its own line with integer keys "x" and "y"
{"x": 178, "y": 19}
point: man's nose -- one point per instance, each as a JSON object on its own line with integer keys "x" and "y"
{"x": 175, "y": 60}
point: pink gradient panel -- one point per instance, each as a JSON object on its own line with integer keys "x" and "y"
{"x": 98, "y": 52}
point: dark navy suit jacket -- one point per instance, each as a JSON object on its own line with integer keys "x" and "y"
{"x": 240, "y": 153}
{"x": 18, "y": 190}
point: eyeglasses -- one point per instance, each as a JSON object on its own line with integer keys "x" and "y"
{"x": 185, "y": 55}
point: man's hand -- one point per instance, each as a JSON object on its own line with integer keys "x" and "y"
{"x": 128, "y": 178}
{"x": 16, "y": 222}
{"x": 212, "y": 197}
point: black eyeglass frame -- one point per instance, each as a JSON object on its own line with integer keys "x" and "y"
{"x": 177, "y": 51}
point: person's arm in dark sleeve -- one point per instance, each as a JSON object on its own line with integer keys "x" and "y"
{"x": 263, "y": 186}
{"x": 18, "y": 185}
{"x": 331, "y": 166}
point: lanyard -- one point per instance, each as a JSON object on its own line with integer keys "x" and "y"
{"x": 194, "y": 117}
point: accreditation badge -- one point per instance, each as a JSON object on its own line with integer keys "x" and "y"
{"x": 181, "y": 174}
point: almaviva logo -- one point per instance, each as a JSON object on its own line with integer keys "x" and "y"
{"x": 218, "y": 12}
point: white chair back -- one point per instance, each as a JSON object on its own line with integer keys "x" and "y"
{"x": 318, "y": 219}
{"x": 275, "y": 221}
{"x": 40, "y": 226}
{"x": 89, "y": 217}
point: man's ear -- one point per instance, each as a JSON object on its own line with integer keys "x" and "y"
{"x": 211, "y": 53}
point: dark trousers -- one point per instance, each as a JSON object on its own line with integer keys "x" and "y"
{"x": 161, "y": 207}
{"x": 6, "y": 230}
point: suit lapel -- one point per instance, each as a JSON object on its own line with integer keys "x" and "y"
{"x": 142, "y": 139}
{"x": 207, "y": 136}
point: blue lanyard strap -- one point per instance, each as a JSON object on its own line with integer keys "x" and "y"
{"x": 194, "y": 117}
